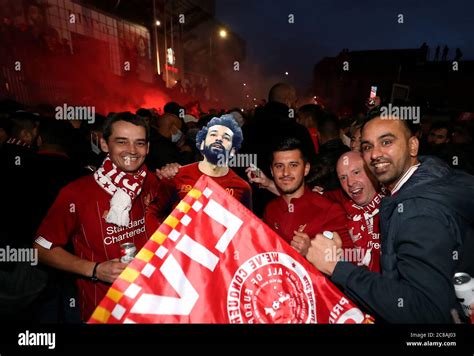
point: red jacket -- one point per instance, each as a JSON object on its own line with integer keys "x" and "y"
{"x": 311, "y": 210}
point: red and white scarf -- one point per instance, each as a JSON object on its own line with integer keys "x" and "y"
{"x": 124, "y": 188}
{"x": 18, "y": 142}
{"x": 364, "y": 230}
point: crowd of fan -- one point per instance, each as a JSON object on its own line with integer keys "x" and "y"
{"x": 40, "y": 155}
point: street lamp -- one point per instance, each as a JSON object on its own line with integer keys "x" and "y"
{"x": 222, "y": 34}
{"x": 157, "y": 47}
{"x": 286, "y": 73}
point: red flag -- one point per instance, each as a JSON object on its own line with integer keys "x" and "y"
{"x": 213, "y": 261}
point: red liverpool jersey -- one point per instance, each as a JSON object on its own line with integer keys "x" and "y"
{"x": 79, "y": 214}
{"x": 364, "y": 227}
{"x": 188, "y": 175}
{"x": 312, "y": 213}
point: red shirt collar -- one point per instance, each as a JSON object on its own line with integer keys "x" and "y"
{"x": 295, "y": 201}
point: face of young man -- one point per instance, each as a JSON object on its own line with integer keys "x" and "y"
{"x": 438, "y": 136}
{"x": 126, "y": 146}
{"x": 388, "y": 149}
{"x": 355, "y": 140}
{"x": 288, "y": 170}
{"x": 354, "y": 178}
{"x": 218, "y": 144}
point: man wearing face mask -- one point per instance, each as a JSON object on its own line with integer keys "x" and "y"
{"x": 217, "y": 142}
{"x": 168, "y": 143}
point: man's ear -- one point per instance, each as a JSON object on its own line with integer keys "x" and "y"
{"x": 232, "y": 152}
{"x": 307, "y": 167}
{"x": 148, "y": 148}
{"x": 201, "y": 147}
{"x": 103, "y": 145}
{"x": 413, "y": 145}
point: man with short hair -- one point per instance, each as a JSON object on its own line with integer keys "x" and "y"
{"x": 102, "y": 211}
{"x": 355, "y": 134}
{"x": 424, "y": 224}
{"x": 359, "y": 198}
{"x": 331, "y": 148}
{"x": 276, "y": 121}
{"x": 167, "y": 144}
{"x": 298, "y": 214}
{"x": 217, "y": 142}
{"x": 309, "y": 116}
{"x": 361, "y": 201}
{"x": 440, "y": 133}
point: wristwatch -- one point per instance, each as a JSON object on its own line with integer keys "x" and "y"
{"x": 94, "y": 271}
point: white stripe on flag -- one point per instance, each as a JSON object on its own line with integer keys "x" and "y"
{"x": 197, "y": 252}
{"x": 164, "y": 305}
{"x": 226, "y": 218}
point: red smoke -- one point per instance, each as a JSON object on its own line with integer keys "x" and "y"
{"x": 50, "y": 74}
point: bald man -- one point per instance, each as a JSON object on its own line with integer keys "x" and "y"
{"x": 361, "y": 201}
{"x": 284, "y": 94}
{"x": 426, "y": 231}
{"x": 272, "y": 124}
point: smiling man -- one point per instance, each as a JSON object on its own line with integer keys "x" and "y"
{"x": 361, "y": 202}
{"x": 298, "y": 214}
{"x": 100, "y": 212}
{"x": 426, "y": 231}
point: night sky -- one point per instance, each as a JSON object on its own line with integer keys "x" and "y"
{"x": 323, "y": 27}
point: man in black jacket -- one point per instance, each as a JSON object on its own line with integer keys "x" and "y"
{"x": 331, "y": 148}
{"x": 167, "y": 143}
{"x": 424, "y": 226}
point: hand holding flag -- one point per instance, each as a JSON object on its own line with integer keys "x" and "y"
{"x": 213, "y": 261}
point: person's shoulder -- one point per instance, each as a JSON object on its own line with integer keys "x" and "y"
{"x": 321, "y": 201}
{"x": 84, "y": 182}
{"x": 79, "y": 189}
{"x": 189, "y": 168}
{"x": 336, "y": 196}
{"x": 189, "y": 171}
